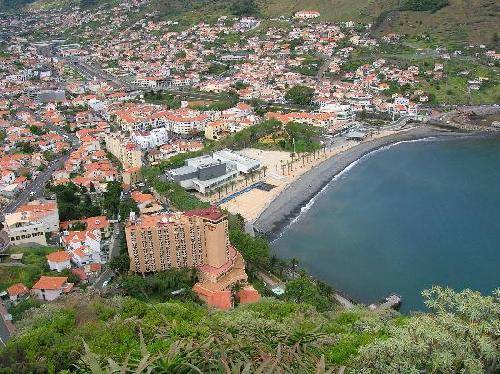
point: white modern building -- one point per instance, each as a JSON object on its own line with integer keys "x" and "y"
{"x": 150, "y": 139}
{"x": 242, "y": 163}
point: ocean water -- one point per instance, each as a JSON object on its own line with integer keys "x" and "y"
{"x": 404, "y": 218}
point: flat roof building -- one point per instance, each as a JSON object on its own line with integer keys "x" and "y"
{"x": 203, "y": 174}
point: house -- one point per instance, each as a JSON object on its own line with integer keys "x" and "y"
{"x": 146, "y": 202}
{"x": 50, "y": 288}
{"x": 59, "y": 261}
{"x": 306, "y": 14}
{"x": 30, "y": 222}
{"x": 100, "y": 223}
{"x": 83, "y": 246}
{"x": 17, "y": 292}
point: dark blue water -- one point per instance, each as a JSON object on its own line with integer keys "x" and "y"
{"x": 406, "y": 218}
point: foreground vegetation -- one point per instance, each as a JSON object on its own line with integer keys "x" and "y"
{"x": 86, "y": 333}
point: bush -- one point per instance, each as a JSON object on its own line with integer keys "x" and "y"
{"x": 300, "y": 95}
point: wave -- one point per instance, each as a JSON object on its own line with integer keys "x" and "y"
{"x": 304, "y": 209}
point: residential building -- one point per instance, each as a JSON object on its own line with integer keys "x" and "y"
{"x": 197, "y": 238}
{"x": 306, "y": 14}
{"x": 30, "y": 222}
{"x": 50, "y": 288}
{"x": 83, "y": 246}
{"x": 17, "y": 292}
{"x": 125, "y": 151}
{"x": 150, "y": 139}
{"x": 59, "y": 261}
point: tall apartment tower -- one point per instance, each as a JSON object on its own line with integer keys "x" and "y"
{"x": 190, "y": 239}
{"x": 197, "y": 238}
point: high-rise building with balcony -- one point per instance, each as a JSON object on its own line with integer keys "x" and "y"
{"x": 198, "y": 239}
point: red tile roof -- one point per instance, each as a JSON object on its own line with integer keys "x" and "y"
{"x": 59, "y": 256}
{"x": 17, "y": 289}
{"x": 50, "y": 283}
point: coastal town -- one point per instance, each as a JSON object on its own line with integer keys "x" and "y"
{"x": 129, "y": 148}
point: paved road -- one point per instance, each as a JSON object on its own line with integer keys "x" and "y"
{"x": 35, "y": 188}
{"x": 106, "y": 275}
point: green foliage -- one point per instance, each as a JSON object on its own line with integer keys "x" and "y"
{"x": 26, "y": 147}
{"x": 244, "y": 8}
{"x": 254, "y": 250}
{"x": 159, "y": 286}
{"x": 126, "y": 206}
{"x": 171, "y": 101}
{"x": 120, "y": 263}
{"x": 304, "y": 290}
{"x": 49, "y": 155}
{"x": 34, "y": 265}
{"x": 458, "y": 336}
{"x": 239, "y": 85}
{"x": 36, "y": 130}
{"x": 178, "y": 196}
{"x": 310, "y": 66}
{"x": 111, "y": 199}
{"x": 301, "y": 137}
{"x": 300, "y": 95}
{"x": 74, "y": 202}
{"x": 217, "y": 69}
{"x": 424, "y": 5}
{"x": 17, "y": 311}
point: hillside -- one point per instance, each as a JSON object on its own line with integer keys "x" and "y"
{"x": 441, "y": 20}
{"x": 87, "y": 333}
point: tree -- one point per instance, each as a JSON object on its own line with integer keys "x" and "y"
{"x": 304, "y": 290}
{"x": 111, "y": 199}
{"x": 300, "y": 95}
{"x": 126, "y": 206}
{"x": 458, "y": 336}
{"x": 244, "y": 8}
{"x": 120, "y": 263}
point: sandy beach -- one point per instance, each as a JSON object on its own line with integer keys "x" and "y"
{"x": 251, "y": 204}
{"x": 288, "y": 201}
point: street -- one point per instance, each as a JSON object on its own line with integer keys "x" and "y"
{"x": 114, "y": 250}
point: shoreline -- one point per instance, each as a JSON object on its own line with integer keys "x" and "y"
{"x": 287, "y": 206}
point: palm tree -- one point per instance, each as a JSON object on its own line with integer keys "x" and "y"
{"x": 264, "y": 169}
{"x": 294, "y": 263}
{"x": 219, "y": 190}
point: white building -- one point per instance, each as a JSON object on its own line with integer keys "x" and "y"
{"x": 242, "y": 163}
{"x": 83, "y": 246}
{"x": 151, "y": 139}
{"x": 50, "y": 288}
{"x": 59, "y": 261}
{"x": 307, "y": 14}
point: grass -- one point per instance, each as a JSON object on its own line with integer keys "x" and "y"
{"x": 34, "y": 264}
{"x": 331, "y": 10}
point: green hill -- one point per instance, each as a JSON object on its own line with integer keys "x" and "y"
{"x": 442, "y": 20}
